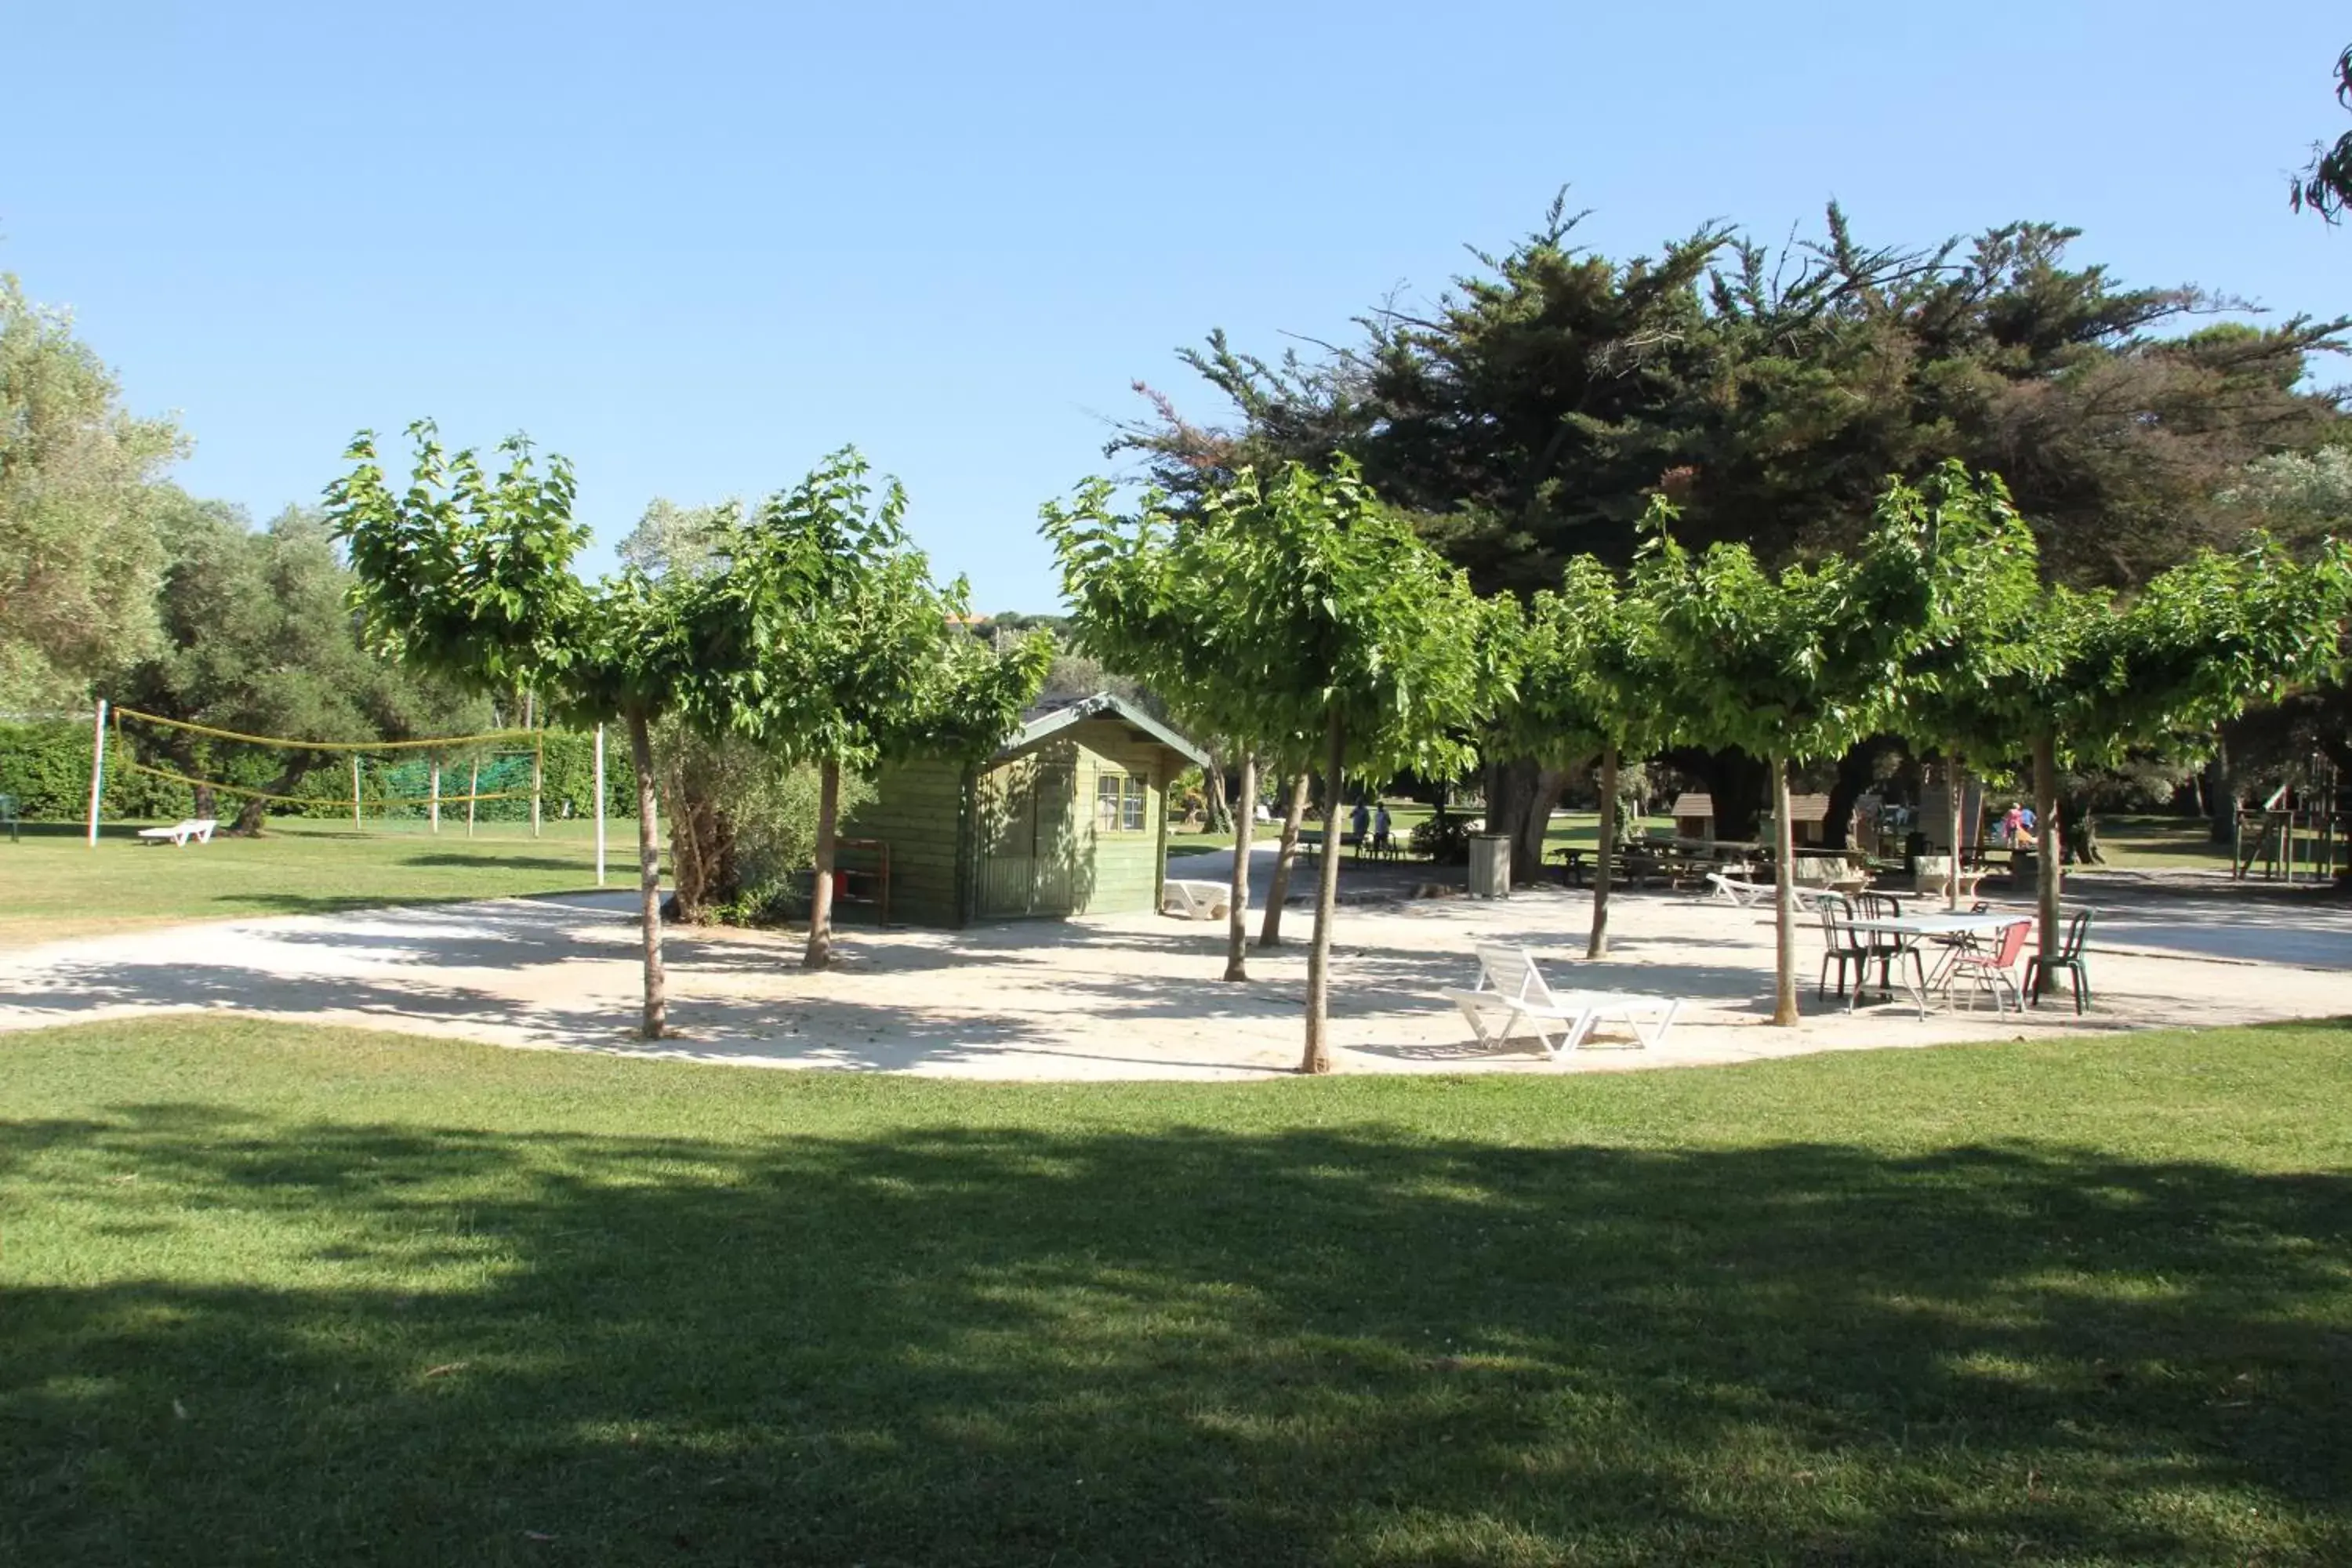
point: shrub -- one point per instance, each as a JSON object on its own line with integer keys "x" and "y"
{"x": 1443, "y": 839}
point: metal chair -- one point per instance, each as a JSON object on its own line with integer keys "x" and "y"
{"x": 2071, "y": 943}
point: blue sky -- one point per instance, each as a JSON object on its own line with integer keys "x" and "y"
{"x": 695, "y": 246}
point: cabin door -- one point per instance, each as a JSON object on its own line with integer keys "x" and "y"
{"x": 1027, "y": 846}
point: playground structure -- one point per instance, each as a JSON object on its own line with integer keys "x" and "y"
{"x": 2298, "y": 828}
{"x": 499, "y": 752}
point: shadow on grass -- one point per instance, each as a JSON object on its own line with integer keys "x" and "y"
{"x": 1324, "y": 1345}
{"x": 462, "y": 861}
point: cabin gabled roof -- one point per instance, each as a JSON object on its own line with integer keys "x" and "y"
{"x": 1039, "y": 723}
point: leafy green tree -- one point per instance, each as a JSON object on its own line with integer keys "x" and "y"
{"x": 1970, "y": 694}
{"x": 1141, "y": 603}
{"x": 259, "y": 637}
{"x": 722, "y": 791}
{"x": 1531, "y": 413}
{"x": 2191, "y": 650}
{"x": 2082, "y": 678}
{"x": 1589, "y": 672}
{"x": 1793, "y": 665}
{"x": 467, "y": 575}
{"x": 1314, "y": 611}
{"x": 852, "y": 658}
{"x": 2326, "y": 186}
{"x": 80, "y": 554}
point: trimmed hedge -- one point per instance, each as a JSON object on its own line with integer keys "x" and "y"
{"x": 45, "y": 765}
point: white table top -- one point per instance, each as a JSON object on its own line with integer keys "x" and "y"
{"x": 1939, "y": 925}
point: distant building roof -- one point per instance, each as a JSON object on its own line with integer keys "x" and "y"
{"x": 1061, "y": 712}
{"x": 1698, "y": 804}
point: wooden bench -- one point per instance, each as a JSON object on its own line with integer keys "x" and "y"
{"x": 199, "y": 829}
{"x": 1509, "y": 982}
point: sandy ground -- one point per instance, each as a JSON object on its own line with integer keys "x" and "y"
{"x": 1129, "y": 997}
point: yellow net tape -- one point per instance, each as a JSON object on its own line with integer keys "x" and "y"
{"x": 444, "y": 742}
{"x": 246, "y": 790}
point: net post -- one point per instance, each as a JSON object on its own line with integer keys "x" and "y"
{"x": 473, "y": 795}
{"x": 355, "y": 792}
{"x": 538, "y": 757}
{"x": 96, "y": 767}
{"x": 600, "y": 805}
{"x": 437, "y": 795}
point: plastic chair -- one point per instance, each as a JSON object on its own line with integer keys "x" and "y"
{"x": 1842, "y": 945}
{"x": 1991, "y": 970}
{"x": 1884, "y": 950}
{"x": 2071, "y": 943}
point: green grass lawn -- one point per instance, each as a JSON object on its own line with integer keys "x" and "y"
{"x": 284, "y": 1295}
{"x": 53, "y": 884}
{"x": 2160, "y": 843}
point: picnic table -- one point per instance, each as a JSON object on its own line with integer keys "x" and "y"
{"x": 1910, "y": 931}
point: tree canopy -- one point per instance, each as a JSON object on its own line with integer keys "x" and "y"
{"x": 1308, "y": 609}
{"x": 81, "y": 555}
{"x": 1530, "y": 414}
{"x": 2325, "y": 187}
{"x": 257, "y": 636}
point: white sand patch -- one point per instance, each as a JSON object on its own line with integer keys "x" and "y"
{"x": 1127, "y": 997}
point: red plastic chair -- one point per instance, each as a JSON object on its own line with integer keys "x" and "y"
{"x": 1993, "y": 969}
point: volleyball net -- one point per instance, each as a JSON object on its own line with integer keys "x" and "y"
{"x": 414, "y": 778}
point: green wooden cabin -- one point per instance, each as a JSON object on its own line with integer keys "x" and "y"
{"x": 1069, "y": 818}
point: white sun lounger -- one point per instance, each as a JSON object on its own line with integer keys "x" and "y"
{"x": 1510, "y": 984}
{"x": 199, "y": 829}
{"x": 1740, "y": 891}
{"x": 1195, "y": 900}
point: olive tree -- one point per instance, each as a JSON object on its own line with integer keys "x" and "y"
{"x": 1300, "y": 607}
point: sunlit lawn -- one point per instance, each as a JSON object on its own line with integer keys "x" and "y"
{"x": 2160, "y": 843}
{"x": 53, "y": 885}
{"x": 272, "y": 1294}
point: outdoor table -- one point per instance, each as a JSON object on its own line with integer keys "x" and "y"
{"x": 1912, "y": 929}
{"x": 1571, "y": 866}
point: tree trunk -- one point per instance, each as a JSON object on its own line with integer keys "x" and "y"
{"x": 1217, "y": 816}
{"x": 2081, "y": 823}
{"x": 828, "y": 807}
{"x": 1270, "y": 932}
{"x": 1954, "y": 790}
{"x": 2048, "y": 847}
{"x": 1519, "y": 799}
{"x": 641, "y": 749}
{"x": 1237, "y": 896}
{"x": 1318, "y": 1058}
{"x": 1784, "y": 900}
{"x": 686, "y": 871}
{"x": 251, "y": 815}
{"x": 1598, "y": 946}
{"x": 1856, "y": 771}
{"x": 2221, "y": 794}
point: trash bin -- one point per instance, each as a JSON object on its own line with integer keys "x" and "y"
{"x": 1490, "y": 865}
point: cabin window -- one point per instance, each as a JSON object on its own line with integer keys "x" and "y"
{"x": 1118, "y": 804}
